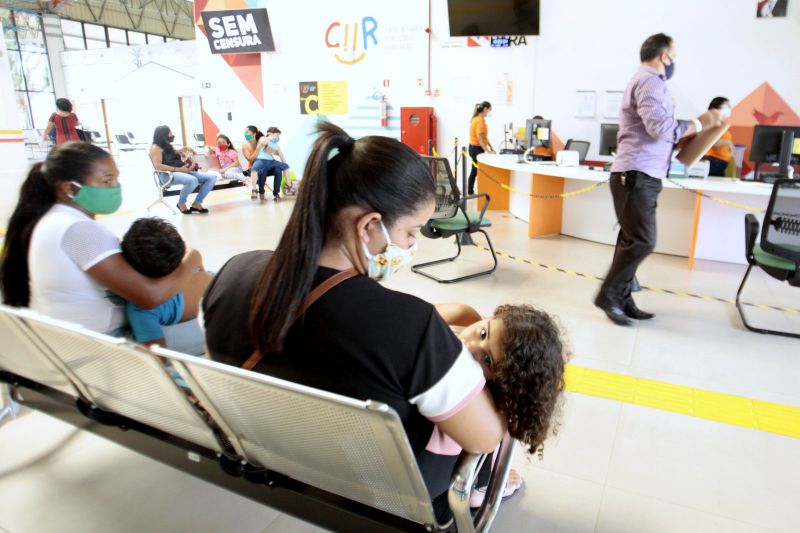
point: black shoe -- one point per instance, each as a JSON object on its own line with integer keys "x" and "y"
{"x": 184, "y": 211}
{"x": 632, "y": 311}
{"x": 615, "y": 314}
{"x": 194, "y": 209}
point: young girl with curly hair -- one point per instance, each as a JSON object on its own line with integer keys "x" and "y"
{"x": 523, "y": 355}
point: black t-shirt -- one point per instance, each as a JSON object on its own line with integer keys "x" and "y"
{"x": 359, "y": 339}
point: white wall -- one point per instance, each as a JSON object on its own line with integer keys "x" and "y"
{"x": 584, "y": 45}
{"x": 723, "y": 50}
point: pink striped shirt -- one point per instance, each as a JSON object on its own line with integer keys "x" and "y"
{"x": 648, "y": 130}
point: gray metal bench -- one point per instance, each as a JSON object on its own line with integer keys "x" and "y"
{"x": 340, "y": 463}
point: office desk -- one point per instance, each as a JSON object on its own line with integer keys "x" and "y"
{"x": 688, "y": 224}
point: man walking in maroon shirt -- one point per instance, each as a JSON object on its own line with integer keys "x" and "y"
{"x": 648, "y": 132}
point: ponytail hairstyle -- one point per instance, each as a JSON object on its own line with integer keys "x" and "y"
{"x": 70, "y": 161}
{"x": 480, "y": 107}
{"x": 161, "y": 139}
{"x": 375, "y": 173}
{"x": 256, "y": 132}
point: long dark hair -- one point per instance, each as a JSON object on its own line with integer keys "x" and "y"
{"x": 480, "y": 107}
{"x": 161, "y": 139}
{"x": 256, "y": 132}
{"x": 70, "y": 161}
{"x": 375, "y": 173}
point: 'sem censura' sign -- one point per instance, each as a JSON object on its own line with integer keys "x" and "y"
{"x": 238, "y": 31}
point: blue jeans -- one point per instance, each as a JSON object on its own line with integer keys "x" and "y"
{"x": 265, "y": 167}
{"x": 190, "y": 180}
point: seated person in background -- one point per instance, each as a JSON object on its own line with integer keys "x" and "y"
{"x": 522, "y": 355}
{"x": 154, "y": 248}
{"x": 266, "y": 162}
{"x": 543, "y": 153}
{"x": 228, "y": 158}
{"x": 721, "y": 154}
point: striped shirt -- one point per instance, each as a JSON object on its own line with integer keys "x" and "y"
{"x": 648, "y": 131}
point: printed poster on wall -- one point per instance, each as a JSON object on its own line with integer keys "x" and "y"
{"x": 323, "y": 98}
{"x": 771, "y": 8}
{"x": 238, "y": 31}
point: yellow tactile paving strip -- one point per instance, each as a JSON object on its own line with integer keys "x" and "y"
{"x": 709, "y": 405}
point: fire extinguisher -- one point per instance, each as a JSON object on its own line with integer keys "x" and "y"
{"x": 384, "y": 112}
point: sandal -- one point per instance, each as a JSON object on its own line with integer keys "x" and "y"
{"x": 254, "y": 194}
{"x": 184, "y": 211}
{"x": 513, "y": 485}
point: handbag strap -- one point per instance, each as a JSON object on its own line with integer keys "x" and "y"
{"x": 312, "y": 297}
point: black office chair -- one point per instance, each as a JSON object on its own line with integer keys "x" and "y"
{"x": 778, "y": 253}
{"x": 582, "y": 147}
{"x": 199, "y": 137}
{"x": 125, "y": 143}
{"x": 451, "y": 218}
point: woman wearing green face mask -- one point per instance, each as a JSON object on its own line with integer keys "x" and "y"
{"x": 250, "y": 152}
{"x": 59, "y": 261}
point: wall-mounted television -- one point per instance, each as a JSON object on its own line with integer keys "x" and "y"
{"x": 469, "y": 18}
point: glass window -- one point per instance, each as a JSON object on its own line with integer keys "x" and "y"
{"x": 93, "y": 31}
{"x": 94, "y": 43}
{"x": 29, "y": 31}
{"x": 22, "y": 108}
{"x": 116, "y": 37}
{"x": 42, "y": 106}
{"x": 9, "y": 31}
{"x": 135, "y": 37}
{"x": 74, "y": 43}
{"x": 15, "y": 62}
{"x": 37, "y": 71}
{"x": 71, "y": 27}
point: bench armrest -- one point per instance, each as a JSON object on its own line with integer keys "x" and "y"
{"x": 167, "y": 183}
{"x": 463, "y": 480}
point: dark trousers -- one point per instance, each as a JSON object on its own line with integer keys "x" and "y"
{"x": 718, "y": 166}
{"x": 267, "y": 167}
{"x": 635, "y": 197}
{"x": 473, "y": 153}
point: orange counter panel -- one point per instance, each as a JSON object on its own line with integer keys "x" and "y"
{"x": 545, "y": 213}
{"x": 498, "y": 195}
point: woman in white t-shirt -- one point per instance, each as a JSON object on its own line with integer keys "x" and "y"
{"x": 62, "y": 263}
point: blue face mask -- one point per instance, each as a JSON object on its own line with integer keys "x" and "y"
{"x": 276, "y": 139}
{"x": 669, "y": 70}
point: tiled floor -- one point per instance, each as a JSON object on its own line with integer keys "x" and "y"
{"x": 612, "y": 467}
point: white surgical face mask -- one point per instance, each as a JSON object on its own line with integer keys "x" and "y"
{"x": 382, "y": 266}
{"x": 725, "y": 111}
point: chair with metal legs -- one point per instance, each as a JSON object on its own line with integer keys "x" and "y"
{"x": 778, "y": 252}
{"x": 452, "y": 219}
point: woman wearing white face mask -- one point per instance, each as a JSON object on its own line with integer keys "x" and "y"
{"x": 356, "y": 221}
{"x": 721, "y": 154}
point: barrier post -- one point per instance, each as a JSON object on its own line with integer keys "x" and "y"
{"x": 466, "y": 238}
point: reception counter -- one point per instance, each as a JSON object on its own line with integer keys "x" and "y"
{"x": 689, "y": 225}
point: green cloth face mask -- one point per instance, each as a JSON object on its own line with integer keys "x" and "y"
{"x": 248, "y": 136}
{"x": 98, "y": 200}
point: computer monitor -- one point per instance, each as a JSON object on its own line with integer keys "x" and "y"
{"x": 775, "y": 144}
{"x": 766, "y": 146}
{"x": 537, "y": 132}
{"x": 608, "y": 138}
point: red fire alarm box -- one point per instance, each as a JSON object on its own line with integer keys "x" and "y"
{"x": 418, "y": 128}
